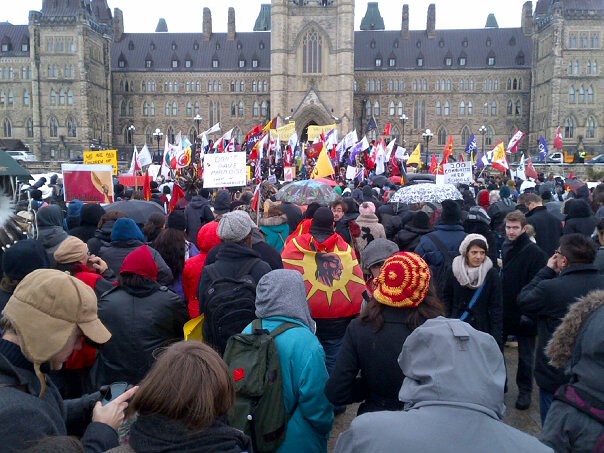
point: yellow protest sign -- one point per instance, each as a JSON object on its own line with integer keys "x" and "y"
{"x": 105, "y": 157}
{"x": 284, "y": 132}
{"x": 316, "y": 131}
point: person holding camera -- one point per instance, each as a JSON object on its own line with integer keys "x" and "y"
{"x": 43, "y": 323}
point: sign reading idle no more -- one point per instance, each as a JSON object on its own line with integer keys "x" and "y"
{"x": 458, "y": 173}
{"x": 106, "y": 157}
{"x": 224, "y": 170}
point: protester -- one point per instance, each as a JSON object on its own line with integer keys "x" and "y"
{"x": 274, "y": 226}
{"x": 197, "y": 213}
{"x": 473, "y": 288}
{"x": 102, "y": 235}
{"x": 90, "y": 216}
{"x": 370, "y": 227}
{"x": 403, "y": 299}
{"x": 372, "y": 259}
{"x": 574, "y": 421}
{"x": 579, "y": 218}
{"x": 141, "y": 315}
{"x": 454, "y": 379}
{"x": 341, "y": 220}
{"x": 153, "y": 226}
{"x": 568, "y": 275}
{"x": 477, "y": 222}
{"x": 409, "y": 236}
{"x": 222, "y": 204}
{"x": 43, "y": 322}
{"x": 281, "y": 297}
{"x": 49, "y": 229}
{"x": 548, "y": 229}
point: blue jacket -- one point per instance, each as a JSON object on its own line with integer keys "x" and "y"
{"x": 276, "y": 235}
{"x": 450, "y": 235}
{"x": 304, "y": 378}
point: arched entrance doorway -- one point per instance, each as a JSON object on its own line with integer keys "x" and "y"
{"x": 304, "y": 134}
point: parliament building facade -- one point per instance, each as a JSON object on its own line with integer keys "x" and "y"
{"x": 73, "y": 80}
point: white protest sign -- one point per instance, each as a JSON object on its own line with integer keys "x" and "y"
{"x": 458, "y": 173}
{"x": 224, "y": 170}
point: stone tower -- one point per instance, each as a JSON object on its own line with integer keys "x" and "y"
{"x": 312, "y": 62}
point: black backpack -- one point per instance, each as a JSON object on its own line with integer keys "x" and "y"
{"x": 441, "y": 273}
{"x": 230, "y": 304}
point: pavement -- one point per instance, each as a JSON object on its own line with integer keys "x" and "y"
{"x": 527, "y": 421}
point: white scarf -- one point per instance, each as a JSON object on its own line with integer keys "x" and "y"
{"x": 471, "y": 277}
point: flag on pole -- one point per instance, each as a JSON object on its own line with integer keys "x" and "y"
{"x": 372, "y": 124}
{"x": 215, "y": 128}
{"x": 323, "y": 166}
{"x": 350, "y": 139}
{"x": 165, "y": 162}
{"x": 183, "y": 153}
{"x": 520, "y": 171}
{"x": 558, "y": 141}
{"x": 515, "y": 141}
{"x": 499, "y": 160}
{"x": 529, "y": 170}
{"x": 387, "y": 129}
{"x": 380, "y": 154}
{"x": 177, "y": 194}
{"x": 543, "y": 149}
{"x": 448, "y": 151}
{"x": 144, "y": 157}
{"x": 472, "y": 145}
{"x": 416, "y": 156}
{"x": 391, "y": 146}
{"x": 134, "y": 165}
{"x": 434, "y": 167}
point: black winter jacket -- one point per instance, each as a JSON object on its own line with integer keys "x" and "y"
{"x": 197, "y": 214}
{"x": 580, "y": 219}
{"x": 140, "y": 321}
{"x": 522, "y": 259}
{"x": 487, "y": 313}
{"x": 394, "y": 216}
{"x": 375, "y": 355}
{"x": 408, "y": 237}
{"x": 548, "y": 229}
{"x": 25, "y": 418}
{"x": 547, "y": 299}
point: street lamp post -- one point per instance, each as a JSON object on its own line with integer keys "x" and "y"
{"x": 158, "y": 134}
{"x": 403, "y": 119}
{"x": 483, "y": 131}
{"x": 197, "y": 120}
{"x": 131, "y": 130}
{"x": 427, "y": 137}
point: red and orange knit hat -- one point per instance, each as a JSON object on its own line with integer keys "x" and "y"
{"x": 403, "y": 281}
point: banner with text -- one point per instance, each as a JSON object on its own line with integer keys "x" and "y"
{"x": 458, "y": 173}
{"x": 284, "y": 132}
{"x": 224, "y": 170}
{"x": 316, "y": 131}
{"x": 105, "y": 157}
{"x": 88, "y": 183}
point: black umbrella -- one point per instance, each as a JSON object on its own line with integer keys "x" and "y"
{"x": 137, "y": 210}
{"x": 380, "y": 180}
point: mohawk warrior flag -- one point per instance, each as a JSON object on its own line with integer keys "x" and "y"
{"x": 515, "y": 141}
{"x": 332, "y": 275}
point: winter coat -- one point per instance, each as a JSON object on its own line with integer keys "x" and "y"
{"x": 276, "y": 230}
{"x": 599, "y": 260}
{"x": 577, "y": 345}
{"x": 51, "y": 238}
{"x": 304, "y": 377}
{"x": 546, "y": 299}
{"x": 479, "y": 227}
{"x": 487, "y": 313}
{"x": 267, "y": 253}
{"x": 370, "y": 229}
{"x": 455, "y": 398}
{"x": 394, "y": 216}
{"x": 375, "y": 355}
{"x": 293, "y": 214}
{"x": 522, "y": 259}
{"x": 450, "y": 235}
{"x": 115, "y": 252}
{"x": 153, "y": 433}
{"x": 197, "y": 214}
{"x": 342, "y": 226}
{"x": 580, "y": 219}
{"x": 207, "y": 238}
{"x": 497, "y": 212}
{"x": 229, "y": 258}
{"x": 140, "y": 321}
{"x": 89, "y": 219}
{"x": 26, "y": 418}
{"x": 408, "y": 238}
{"x": 555, "y": 209}
{"x": 548, "y": 229}
{"x": 102, "y": 237}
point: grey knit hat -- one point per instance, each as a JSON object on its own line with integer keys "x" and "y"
{"x": 235, "y": 226}
{"x": 377, "y": 251}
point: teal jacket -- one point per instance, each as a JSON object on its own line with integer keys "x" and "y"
{"x": 304, "y": 378}
{"x": 276, "y": 235}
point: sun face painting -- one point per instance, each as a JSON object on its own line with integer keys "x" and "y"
{"x": 332, "y": 276}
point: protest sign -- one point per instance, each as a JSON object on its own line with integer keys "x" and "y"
{"x": 224, "y": 170}
{"x": 316, "y": 131}
{"x": 105, "y": 157}
{"x": 289, "y": 173}
{"x": 458, "y": 173}
{"x": 88, "y": 183}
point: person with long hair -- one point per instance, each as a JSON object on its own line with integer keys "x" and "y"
{"x": 474, "y": 275}
{"x": 404, "y": 299}
{"x": 184, "y": 411}
{"x": 153, "y": 226}
{"x": 171, "y": 243}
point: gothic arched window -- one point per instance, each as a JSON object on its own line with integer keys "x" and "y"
{"x": 312, "y": 49}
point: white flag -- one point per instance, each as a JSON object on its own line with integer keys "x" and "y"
{"x": 144, "y": 157}
{"x": 389, "y": 148}
{"x": 214, "y": 128}
{"x": 520, "y": 171}
{"x": 293, "y": 141}
{"x": 165, "y": 161}
{"x": 379, "y": 158}
{"x": 133, "y": 162}
{"x": 350, "y": 139}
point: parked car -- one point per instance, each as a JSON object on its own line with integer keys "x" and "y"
{"x": 557, "y": 157}
{"x": 596, "y": 160}
{"x": 22, "y": 156}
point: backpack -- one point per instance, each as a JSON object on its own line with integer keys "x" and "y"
{"x": 259, "y": 409}
{"x": 230, "y": 304}
{"x": 441, "y": 273}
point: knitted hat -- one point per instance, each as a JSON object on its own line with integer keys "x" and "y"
{"x": 463, "y": 247}
{"x": 24, "y": 257}
{"x": 483, "y": 198}
{"x": 421, "y": 221}
{"x": 476, "y": 213}
{"x": 377, "y": 251}
{"x": 367, "y": 208}
{"x": 45, "y": 309}
{"x": 176, "y": 220}
{"x": 71, "y": 250}
{"x": 504, "y": 192}
{"x": 222, "y": 204}
{"x": 125, "y": 229}
{"x": 235, "y": 226}
{"x": 451, "y": 212}
{"x": 322, "y": 224}
{"x": 140, "y": 262}
{"x": 403, "y": 281}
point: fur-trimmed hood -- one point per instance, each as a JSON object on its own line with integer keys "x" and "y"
{"x": 577, "y": 344}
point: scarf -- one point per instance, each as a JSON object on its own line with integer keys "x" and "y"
{"x": 470, "y": 277}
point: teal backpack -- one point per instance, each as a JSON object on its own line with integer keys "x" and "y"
{"x": 259, "y": 409}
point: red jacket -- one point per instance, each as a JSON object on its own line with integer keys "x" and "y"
{"x": 207, "y": 239}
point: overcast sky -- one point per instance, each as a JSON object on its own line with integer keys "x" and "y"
{"x": 186, "y": 15}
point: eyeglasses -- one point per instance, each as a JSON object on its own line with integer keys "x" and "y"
{"x": 558, "y": 252}
{"x": 337, "y": 210}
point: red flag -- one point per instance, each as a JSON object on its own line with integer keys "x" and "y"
{"x": 314, "y": 150}
{"x": 448, "y": 151}
{"x": 147, "y": 186}
{"x": 433, "y": 165}
{"x": 394, "y": 168}
{"x": 558, "y": 141}
{"x": 461, "y": 158}
{"x": 255, "y": 131}
{"x": 177, "y": 194}
{"x": 572, "y": 175}
{"x": 387, "y": 129}
{"x": 255, "y": 198}
{"x": 334, "y": 155}
{"x": 529, "y": 170}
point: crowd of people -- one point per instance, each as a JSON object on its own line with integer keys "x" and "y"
{"x": 403, "y": 308}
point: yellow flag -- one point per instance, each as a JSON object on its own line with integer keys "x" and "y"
{"x": 416, "y": 156}
{"x": 499, "y": 152}
{"x": 323, "y": 166}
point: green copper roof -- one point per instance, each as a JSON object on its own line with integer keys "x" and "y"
{"x": 263, "y": 22}
{"x": 373, "y": 19}
{"x": 162, "y": 26}
{"x": 491, "y": 22}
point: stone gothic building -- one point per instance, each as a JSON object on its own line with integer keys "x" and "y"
{"x": 72, "y": 79}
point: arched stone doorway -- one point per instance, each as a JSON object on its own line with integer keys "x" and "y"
{"x": 310, "y": 115}
{"x": 304, "y": 134}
